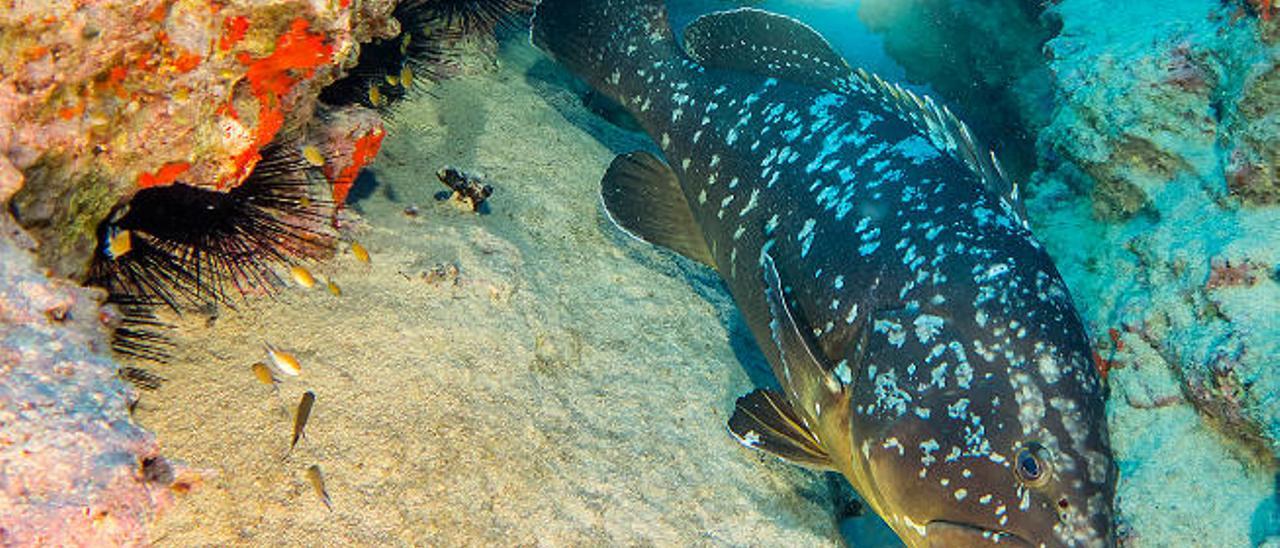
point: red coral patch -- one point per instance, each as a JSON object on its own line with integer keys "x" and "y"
{"x": 166, "y": 175}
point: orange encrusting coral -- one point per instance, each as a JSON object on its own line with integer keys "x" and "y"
{"x": 166, "y": 175}
{"x": 186, "y": 62}
{"x": 366, "y": 149}
{"x": 233, "y": 31}
{"x": 270, "y": 79}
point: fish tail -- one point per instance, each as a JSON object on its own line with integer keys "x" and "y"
{"x": 605, "y": 42}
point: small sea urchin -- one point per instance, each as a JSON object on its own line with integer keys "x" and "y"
{"x": 182, "y": 245}
{"x": 425, "y": 50}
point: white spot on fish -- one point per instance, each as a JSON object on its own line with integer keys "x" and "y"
{"x": 751, "y": 202}
{"x": 844, "y": 373}
{"x": 927, "y": 325}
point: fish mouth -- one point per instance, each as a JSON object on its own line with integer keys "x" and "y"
{"x": 953, "y": 534}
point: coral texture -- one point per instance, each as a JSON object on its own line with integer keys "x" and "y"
{"x": 1157, "y": 196}
{"x": 104, "y": 97}
{"x": 70, "y": 457}
{"x": 1174, "y": 127}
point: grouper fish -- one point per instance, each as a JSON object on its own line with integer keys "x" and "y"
{"x": 924, "y": 344}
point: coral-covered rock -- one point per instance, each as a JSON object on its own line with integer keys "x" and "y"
{"x": 71, "y": 460}
{"x": 106, "y": 97}
{"x": 1157, "y": 196}
{"x": 1177, "y": 119}
{"x": 348, "y": 139}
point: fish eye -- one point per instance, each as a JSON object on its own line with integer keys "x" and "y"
{"x": 1031, "y": 466}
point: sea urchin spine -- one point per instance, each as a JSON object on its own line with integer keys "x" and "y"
{"x": 183, "y": 245}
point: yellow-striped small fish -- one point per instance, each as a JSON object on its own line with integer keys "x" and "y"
{"x": 360, "y": 252}
{"x": 313, "y": 155}
{"x": 119, "y": 243}
{"x": 264, "y": 374}
{"x": 300, "y": 419}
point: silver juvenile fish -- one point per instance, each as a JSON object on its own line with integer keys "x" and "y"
{"x": 925, "y": 345}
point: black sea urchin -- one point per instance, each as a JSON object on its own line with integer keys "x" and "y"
{"x": 390, "y": 69}
{"x": 140, "y": 334}
{"x": 473, "y": 16}
{"x": 182, "y": 245}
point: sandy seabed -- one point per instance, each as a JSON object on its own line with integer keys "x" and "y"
{"x": 569, "y": 387}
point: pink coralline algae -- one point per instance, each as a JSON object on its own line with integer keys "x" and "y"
{"x": 1227, "y": 273}
{"x": 70, "y": 457}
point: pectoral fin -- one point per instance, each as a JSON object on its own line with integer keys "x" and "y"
{"x": 643, "y": 197}
{"x": 801, "y": 364}
{"x": 764, "y": 420}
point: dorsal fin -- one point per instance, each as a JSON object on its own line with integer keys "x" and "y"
{"x": 768, "y": 44}
{"x": 777, "y": 46}
{"x": 945, "y": 131}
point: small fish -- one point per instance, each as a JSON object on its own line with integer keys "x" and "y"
{"x": 300, "y": 419}
{"x": 313, "y": 155}
{"x": 317, "y": 481}
{"x": 406, "y": 76}
{"x": 302, "y": 277}
{"x": 283, "y": 361}
{"x": 468, "y": 188}
{"x": 264, "y": 374}
{"x": 375, "y": 96}
{"x": 392, "y": 79}
{"x": 119, "y": 243}
{"x": 333, "y": 288}
{"x": 360, "y": 252}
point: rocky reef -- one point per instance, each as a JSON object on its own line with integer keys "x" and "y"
{"x": 1157, "y": 193}
{"x": 101, "y": 99}
{"x": 73, "y": 466}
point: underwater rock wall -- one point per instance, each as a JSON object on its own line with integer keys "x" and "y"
{"x": 1169, "y": 129}
{"x": 1157, "y": 197}
{"x": 98, "y": 100}
{"x": 101, "y": 98}
{"x": 71, "y": 460}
